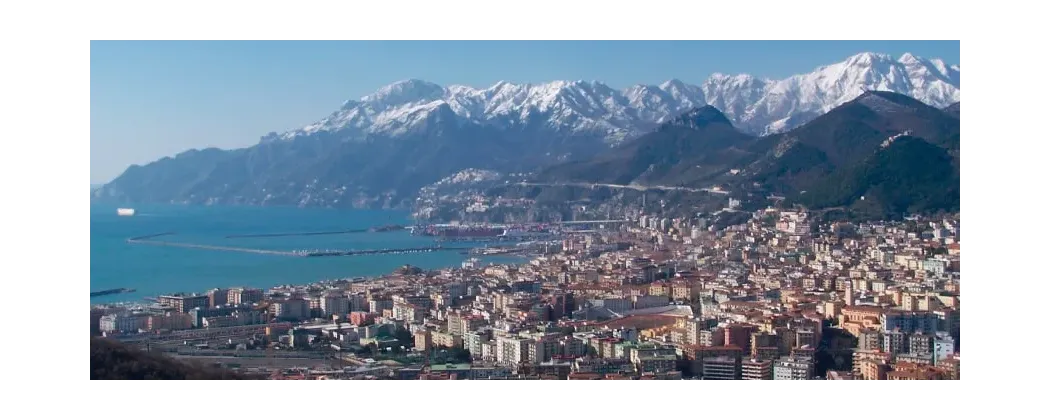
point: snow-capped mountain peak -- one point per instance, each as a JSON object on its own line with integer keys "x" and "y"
{"x": 868, "y": 58}
{"x": 592, "y": 108}
{"x": 773, "y": 106}
{"x": 410, "y": 90}
{"x": 907, "y": 57}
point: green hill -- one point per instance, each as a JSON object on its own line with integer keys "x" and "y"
{"x": 908, "y": 176}
{"x": 114, "y": 360}
{"x": 693, "y": 147}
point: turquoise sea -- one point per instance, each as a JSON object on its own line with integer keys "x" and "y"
{"x": 154, "y": 270}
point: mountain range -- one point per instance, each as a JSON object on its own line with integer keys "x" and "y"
{"x": 888, "y": 152}
{"x": 379, "y": 150}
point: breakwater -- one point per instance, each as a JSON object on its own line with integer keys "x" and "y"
{"x": 214, "y": 247}
{"x": 386, "y": 228}
{"x": 276, "y": 235}
{"x": 147, "y": 240}
{"x": 145, "y": 237}
{"x": 112, "y": 292}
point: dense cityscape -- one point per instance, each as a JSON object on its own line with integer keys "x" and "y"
{"x": 788, "y": 212}
{"x": 783, "y": 295}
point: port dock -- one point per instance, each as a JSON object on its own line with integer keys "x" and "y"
{"x": 496, "y": 251}
{"x": 385, "y": 251}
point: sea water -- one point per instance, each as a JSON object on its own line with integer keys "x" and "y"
{"x": 153, "y": 270}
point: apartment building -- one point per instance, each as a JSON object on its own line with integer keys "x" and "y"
{"x": 511, "y": 350}
{"x": 602, "y": 366}
{"x": 423, "y": 340}
{"x": 793, "y": 368}
{"x": 721, "y": 368}
{"x": 920, "y": 343}
{"x": 877, "y": 356}
{"x": 218, "y": 297}
{"x": 895, "y": 342}
{"x": 871, "y": 369}
{"x": 183, "y": 303}
{"x": 244, "y": 296}
{"x": 756, "y": 369}
{"x": 909, "y": 322}
{"x": 290, "y": 309}
{"x": 124, "y": 322}
{"x": 170, "y": 321}
{"x": 657, "y": 363}
{"x": 335, "y": 304}
{"x": 445, "y": 339}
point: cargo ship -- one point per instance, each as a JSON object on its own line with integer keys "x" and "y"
{"x": 449, "y": 231}
{"x": 125, "y": 212}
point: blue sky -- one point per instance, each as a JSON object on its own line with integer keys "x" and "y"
{"x": 151, "y": 99}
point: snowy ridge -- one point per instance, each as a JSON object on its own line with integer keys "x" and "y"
{"x": 576, "y": 107}
{"x": 759, "y": 106}
{"x": 802, "y": 97}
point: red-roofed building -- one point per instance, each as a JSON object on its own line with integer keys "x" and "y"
{"x": 953, "y": 249}
{"x": 914, "y": 371}
{"x": 578, "y": 376}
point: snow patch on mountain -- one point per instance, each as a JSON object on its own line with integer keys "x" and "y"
{"x": 759, "y": 106}
{"x": 827, "y": 87}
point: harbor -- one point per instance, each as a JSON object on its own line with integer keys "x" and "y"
{"x": 441, "y": 234}
{"x": 200, "y": 232}
{"x": 295, "y": 253}
{"x": 510, "y": 237}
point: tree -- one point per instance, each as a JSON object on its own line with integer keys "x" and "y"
{"x": 403, "y": 337}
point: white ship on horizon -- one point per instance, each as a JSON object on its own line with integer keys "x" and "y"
{"x": 125, "y": 212}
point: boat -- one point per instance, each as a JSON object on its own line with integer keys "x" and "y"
{"x": 125, "y": 212}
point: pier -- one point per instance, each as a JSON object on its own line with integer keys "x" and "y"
{"x": 499, "y": 251}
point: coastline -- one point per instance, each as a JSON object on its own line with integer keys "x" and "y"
{"x": 160, "y": 270}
